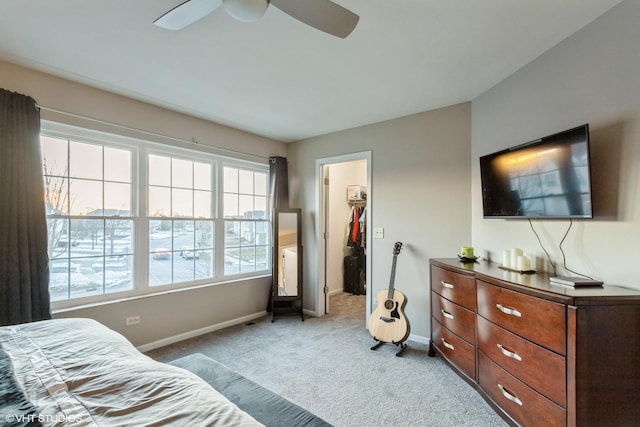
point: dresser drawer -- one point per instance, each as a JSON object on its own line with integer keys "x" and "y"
{"x": 455, "y": 349}
{"x": 521, "y": 402}
{"x": 454, "y": 317}
{"x": 540, "y": 321}
{"x": 455, "y": 287}
{"x": 539, "y": 368}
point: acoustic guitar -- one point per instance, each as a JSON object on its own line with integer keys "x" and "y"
{"x": 387, "y": 323}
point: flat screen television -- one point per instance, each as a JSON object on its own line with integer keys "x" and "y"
{"x": 546, "y": 178}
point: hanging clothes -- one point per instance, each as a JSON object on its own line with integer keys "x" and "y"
{"x": 363, "y": 227}
{"x": 357, "y": 227}
{"x": 354, "y": 235}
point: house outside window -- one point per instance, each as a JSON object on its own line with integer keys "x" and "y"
{"x": 128, "y": 218}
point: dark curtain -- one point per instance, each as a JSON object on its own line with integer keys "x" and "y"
{"x": 24, "y": 263}
{"x": 279, "y": 183}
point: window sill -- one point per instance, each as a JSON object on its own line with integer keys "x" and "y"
{"x": 153, "y": 293}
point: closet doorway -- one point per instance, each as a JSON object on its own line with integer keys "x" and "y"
{"x": 341, "y": 182}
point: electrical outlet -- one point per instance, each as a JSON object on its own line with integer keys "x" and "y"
{"x": 378, "y": 233}
{"x": 133, "y": 320}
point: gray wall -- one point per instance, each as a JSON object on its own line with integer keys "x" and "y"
{"x": 591, "y": 77}
{"x": 419, "y": 194}
{"x": 170, "y": 315}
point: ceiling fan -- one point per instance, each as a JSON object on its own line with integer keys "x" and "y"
{"x": 323, "y": 15}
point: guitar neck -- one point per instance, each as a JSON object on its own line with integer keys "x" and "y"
{"x": 392, "y": 279}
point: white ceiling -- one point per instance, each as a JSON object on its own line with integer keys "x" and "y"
{"x": 280, "y": 78}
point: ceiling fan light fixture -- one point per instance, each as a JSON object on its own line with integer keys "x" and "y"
{"x": 246, "y": 10}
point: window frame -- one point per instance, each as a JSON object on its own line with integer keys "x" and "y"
{"x": 140, "y": 151}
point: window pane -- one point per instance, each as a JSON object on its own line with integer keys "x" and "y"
{"x": 202, "y": 204}
{"x": 182, "y": 203}
{"x": 58, "y": 237}
{"x": 56, "y": 195}
{"x": 54, "y": 156}
{"x": 183, "y": 236}
{"x": 245, "y": 206}
{"x": 231, "y": 261}
{"x": 231, "y": 233}
{"x": 117, "y": 199}
{"x": 181, "y": 251}
{"x": 59, "y": 279}
{"x": 248, "y": 260}
{"x": 260, "y": 207}
{"x": 184, "y": 267}
{"x": 245, "y": 182}
{"x": 118, "y": 273}
{"x": 202, "y": 176}
{"x": 117, "y": 165}
{"x": 87, "y": 237}
{"x": 159, "y": 201}
{"x": 263, "y": 233}
{"x": 230, "y": 180}
{"x": 160, "y": 267}
{"x": 159, "y": 170}
{"x": 85, "y": 160}
{"x": 248, "y": 230}
{"x": 231, "y": 205}
{"x": 86, "y": 197}
{"x": 182, "y": 173}
{"x": 204, "y": 264}
{"x": 119, "y": 237}
{"x": 204, "y": 234}
{"x": 260, "y": 184}
{"x": 263, "y": 258}
{"x": 160, "y": 256}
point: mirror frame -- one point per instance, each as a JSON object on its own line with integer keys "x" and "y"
{"x": 275, "y": 259}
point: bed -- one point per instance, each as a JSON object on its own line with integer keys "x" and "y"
{"x": 78, "y": 372}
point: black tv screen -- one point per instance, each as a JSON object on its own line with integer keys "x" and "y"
{"x": 545, "y": 178}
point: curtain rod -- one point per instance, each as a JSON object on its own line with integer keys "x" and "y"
{"x": 145, "y": 132}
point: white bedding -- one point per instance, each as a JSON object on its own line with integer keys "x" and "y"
{"x": 78, "y": 372}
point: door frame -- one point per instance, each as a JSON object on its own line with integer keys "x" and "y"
{"x": 321, "y": 300}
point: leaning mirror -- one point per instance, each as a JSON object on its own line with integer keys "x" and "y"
{"x": 287, "y": 261}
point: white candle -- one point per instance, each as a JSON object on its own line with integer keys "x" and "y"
{"x": 506, "y": 258}
{"x": 515, "y": 253}
{"x": 523, "y": 263}
{"x": 534, "y": 262}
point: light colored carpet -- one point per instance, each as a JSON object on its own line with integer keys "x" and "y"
{"x": 325, "y": 365}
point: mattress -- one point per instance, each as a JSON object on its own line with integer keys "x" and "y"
{"x": 78, "y": 372}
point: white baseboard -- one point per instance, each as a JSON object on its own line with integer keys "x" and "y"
{"x": 419, "y": 339}
{"x": 191, "y": 334}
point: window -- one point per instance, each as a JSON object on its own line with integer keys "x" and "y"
{"x": 88, "y": 192}
{"x": 127, "y": 218}
{"x": 181, "y": 239}
{"x": 246, "y": 226}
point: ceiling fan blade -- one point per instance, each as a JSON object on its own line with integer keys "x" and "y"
{"x": 187, "y": 13}
{"x": 323, "y": 15}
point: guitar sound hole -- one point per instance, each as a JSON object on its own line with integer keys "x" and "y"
{"x": 389, "y": 304}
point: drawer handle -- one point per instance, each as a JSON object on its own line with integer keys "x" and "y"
{"x": 446, "y": 284}
{"x": 509, "y": 396}
{"x": 447, "y": 314}
{"x": 510, "y": 354}
{"x": 447, "y": 345}
{"x": 509, "y": 311}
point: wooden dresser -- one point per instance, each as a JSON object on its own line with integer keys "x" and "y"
{"x": 540, "y": 354}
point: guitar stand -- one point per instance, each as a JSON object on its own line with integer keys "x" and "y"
{"x": 402, "y": 346}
